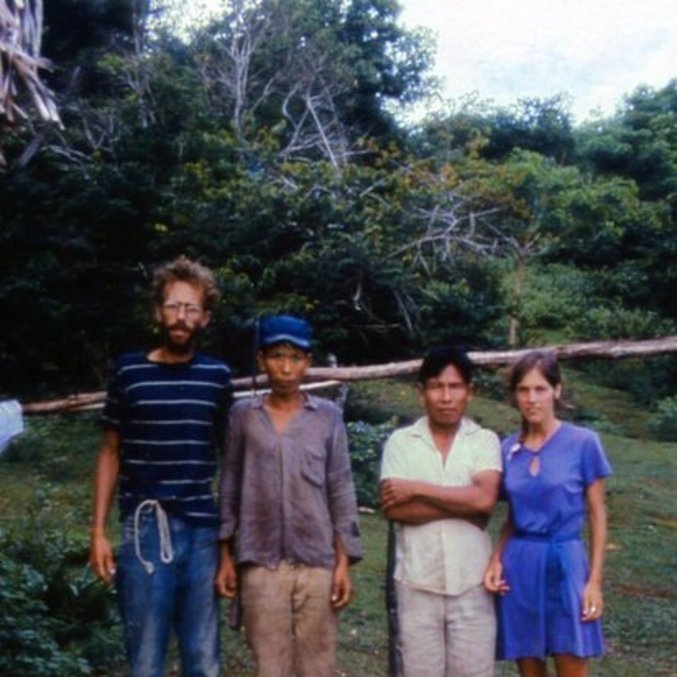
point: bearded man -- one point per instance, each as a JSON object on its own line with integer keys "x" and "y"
{"x": 164, "y": 420}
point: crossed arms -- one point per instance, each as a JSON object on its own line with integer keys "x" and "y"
{"x": 415, "y": 502}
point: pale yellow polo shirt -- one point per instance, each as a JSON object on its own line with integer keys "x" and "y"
{"x": 447, "y": 556}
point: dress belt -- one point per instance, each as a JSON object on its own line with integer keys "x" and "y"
{"x": 555, "y": 551}
{"x": 545, "y": 538}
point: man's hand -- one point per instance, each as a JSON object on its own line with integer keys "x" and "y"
{"x": 226, "y": 576}
{"x": 342, "y": 588}
{"x": 394, "y": 492}
{"x": 101, "y": 557}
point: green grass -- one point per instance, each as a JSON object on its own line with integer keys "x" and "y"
{"x": 47, "y": 473}
{"x": 49, "y": 469}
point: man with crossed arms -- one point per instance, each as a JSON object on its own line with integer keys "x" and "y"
{"x": 439, "y": 483}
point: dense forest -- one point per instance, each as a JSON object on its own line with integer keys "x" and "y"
{"x": 276, "y": 144}
{"x": 272, "y": 144}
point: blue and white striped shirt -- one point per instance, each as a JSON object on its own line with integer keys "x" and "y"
{"x": 171, "y": 420}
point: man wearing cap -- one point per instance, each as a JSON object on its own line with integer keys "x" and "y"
{"x": 288, "y": 512}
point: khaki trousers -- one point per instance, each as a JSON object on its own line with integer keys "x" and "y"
{"x": 288, "y": 620}
{"x": 446, "y": 636}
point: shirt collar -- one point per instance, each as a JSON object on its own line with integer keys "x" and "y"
{"x": 422, "y": 428}
{"x": 310, "y": 403}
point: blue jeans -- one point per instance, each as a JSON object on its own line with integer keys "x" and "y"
{"x": 178, "y": 594}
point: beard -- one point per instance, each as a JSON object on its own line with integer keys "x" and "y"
{"x": 179, "y": 339}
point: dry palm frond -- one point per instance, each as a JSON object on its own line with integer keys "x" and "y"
{"x": 20, "y": 63}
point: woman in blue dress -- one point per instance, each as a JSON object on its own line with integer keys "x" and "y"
{"x": 549, "y": 595}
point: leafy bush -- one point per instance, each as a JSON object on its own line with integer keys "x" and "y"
{"x": 46, "y": 439}
{"x": 57, "y": 620}
{"x": 648, "y": 381}
{"x": 551, "y": 306}
{"x": 593, "y": 419}
{"x": 490, "y": 384}
{"x": 663, "y": 423}
{"x": 374, "y": 402}
{"x": 27, "y": 630}
{"x": 613, "y": 321}
{"x": 366, "y": 443}
{"x": 362, "y": 406}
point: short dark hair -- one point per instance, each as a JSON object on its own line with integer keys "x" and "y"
{"x": 440, "y": 358}
{"x": 183, "y": 269}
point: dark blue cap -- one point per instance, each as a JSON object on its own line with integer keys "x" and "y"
{"x": 285, "y": 329}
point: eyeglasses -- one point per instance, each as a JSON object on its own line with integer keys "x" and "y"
{"x": 174, "y": 307}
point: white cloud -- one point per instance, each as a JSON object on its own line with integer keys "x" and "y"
{"x": 595, "y": 50}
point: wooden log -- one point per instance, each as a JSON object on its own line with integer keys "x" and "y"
{"x": 79, "y": 402}
{"x": 606, "y": 350}
{"x": 593, "y": 350}
{"x": 92, "y": 401}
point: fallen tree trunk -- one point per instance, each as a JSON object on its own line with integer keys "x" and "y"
{"x": 593, "y": 350}
{"x": 491, "y": 359}
{"x": 90, "y": 401}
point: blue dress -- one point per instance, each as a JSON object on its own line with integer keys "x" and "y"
{"x": 545, "y": 562}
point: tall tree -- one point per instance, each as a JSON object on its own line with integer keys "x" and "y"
{"x": 639, "y": 142}
{"x": 317, "y": 74}
{"x": 477, "y": 127}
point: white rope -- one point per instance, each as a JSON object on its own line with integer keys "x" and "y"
{"x": 166, "y": 551}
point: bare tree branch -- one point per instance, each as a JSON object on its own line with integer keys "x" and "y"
{"x": 20, "y": 63}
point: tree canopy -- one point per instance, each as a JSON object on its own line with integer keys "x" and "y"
{"x": 266, "y": 145}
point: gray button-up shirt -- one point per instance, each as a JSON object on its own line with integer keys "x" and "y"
{"x": 286, "y": 496}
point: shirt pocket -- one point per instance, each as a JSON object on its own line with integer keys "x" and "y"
{"x": 313, "y": 466}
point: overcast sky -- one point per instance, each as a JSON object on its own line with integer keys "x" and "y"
{"x": 595, "y": 50}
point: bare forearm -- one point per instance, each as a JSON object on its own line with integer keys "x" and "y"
{"x": 458, "y": 501}
{"x": 105, "y": 483}
{"x": 342, "y": 586}
{"x": 596, "y": 559}
{"x": 342, "y": 559}
{"x": 415, "y": 512}
{"x": 598, "y": 533}
{"x": 504, "y": 534}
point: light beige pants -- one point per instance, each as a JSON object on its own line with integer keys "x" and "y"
{"x": 446, "y": 636}
{"x": 288, "y": 619}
